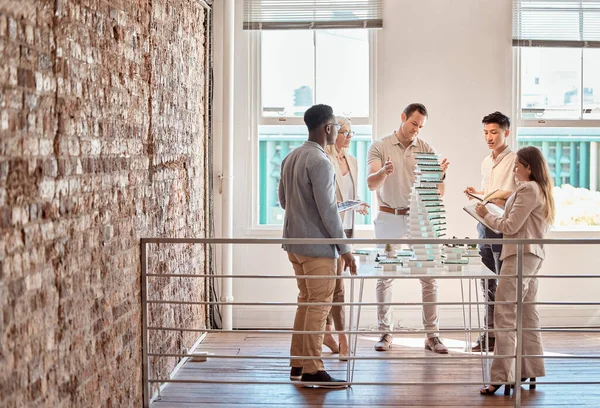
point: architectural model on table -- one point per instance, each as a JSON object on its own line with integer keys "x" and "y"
{"x": 427, "y": 215}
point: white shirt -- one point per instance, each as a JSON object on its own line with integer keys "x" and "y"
{"x": 348, "y": 191}
{"x": 498, "y": 174}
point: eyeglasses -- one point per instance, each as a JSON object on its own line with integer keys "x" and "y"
{"x": 347, "y": 133}
{"x": 337, "y": 126}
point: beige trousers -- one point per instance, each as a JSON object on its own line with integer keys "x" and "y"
{"x": 429, "y": 293}
{"x": 505, "y": 317}
{"x": 311, "y": 318}
{"x": 337, "y": 315}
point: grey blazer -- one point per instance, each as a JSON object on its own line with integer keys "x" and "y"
{"x": 307, "y": 194}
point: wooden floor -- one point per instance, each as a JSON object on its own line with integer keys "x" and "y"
{"x": 287, "y": 395}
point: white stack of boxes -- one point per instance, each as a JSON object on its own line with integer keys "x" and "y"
{"x": 427, "y": 216}
{"x": 472, "y": 255}
{"x": 400, "y": 258}
{"x": 455, "y": 258}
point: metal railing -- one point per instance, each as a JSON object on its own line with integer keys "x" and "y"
{"x": 353, "y": 333}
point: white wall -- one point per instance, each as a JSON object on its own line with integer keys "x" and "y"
{"x": 456, "y": 58}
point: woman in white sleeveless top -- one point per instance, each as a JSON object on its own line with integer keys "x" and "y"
{"x": 346, "y": 173}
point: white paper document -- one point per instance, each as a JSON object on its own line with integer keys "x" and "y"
{"x": 497, "y": 193}
{"x": 492, "y": 208}
{"x": 349, "y": 205}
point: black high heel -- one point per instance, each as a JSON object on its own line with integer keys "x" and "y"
{"x": 488, "y": 391}
{"x": 531, "y": 386}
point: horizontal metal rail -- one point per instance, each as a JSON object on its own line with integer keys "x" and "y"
{"x": 427, "y": 384}
{"x": 175, "y": 302}
{"x": 457, "y": 276}
{"x": 354, "y": 241}
{"x": 336, "y": 358}
{"x": 290, "y": 331}
{"x": 394, "y": 275}
{"x": 189, "y": 302}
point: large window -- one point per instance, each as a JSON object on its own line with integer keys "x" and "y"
{"x": 572, "y": 155}
{"x": 560, "y": 112}
{"x": 300, "y": 68}
{"x": 558, "y": 49}
{"x": 560, "y": 83}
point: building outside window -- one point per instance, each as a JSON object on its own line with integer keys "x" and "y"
{"x": 300, "y": 68}
{"x": 558, "y": 92}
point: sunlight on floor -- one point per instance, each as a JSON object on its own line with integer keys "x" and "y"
{"x": 455, "y": 346}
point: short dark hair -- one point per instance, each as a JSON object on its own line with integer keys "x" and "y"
{"x": 317, "y": 115}
{"x": 415, "y": 107}
{"x": 498, "y": 118}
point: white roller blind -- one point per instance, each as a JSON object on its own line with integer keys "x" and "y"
{"x": 312, "y": 14}
{"x": 556, "y": 23}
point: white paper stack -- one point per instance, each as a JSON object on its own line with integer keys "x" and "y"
{"x": 472, "y": 254}
{"x": 455, "y": 258}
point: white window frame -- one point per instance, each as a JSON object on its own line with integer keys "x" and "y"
{"x": 520, "y": 122}
{"x": 255, "y": 119}
{"x": 551, "y": 123}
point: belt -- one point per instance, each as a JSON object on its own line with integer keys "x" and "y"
{"x": 397, "y": 211}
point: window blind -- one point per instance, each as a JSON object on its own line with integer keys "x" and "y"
{"x": 312, "y": 14}
{"x": 556, "y": 23}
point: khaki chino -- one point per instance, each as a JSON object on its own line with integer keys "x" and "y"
{"x": 311, "y": 318}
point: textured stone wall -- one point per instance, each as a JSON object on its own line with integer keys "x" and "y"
{"x": 102, "y": 141}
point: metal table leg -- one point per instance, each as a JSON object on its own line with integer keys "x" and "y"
{"x": 351, "y": 326}
{"x": 353, "y": 353}
{"x": 464, "y": 313}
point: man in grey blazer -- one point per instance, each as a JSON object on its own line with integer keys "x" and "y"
{"x": 307, "y": 194}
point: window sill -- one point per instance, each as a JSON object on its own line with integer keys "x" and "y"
{"x": 264, "y": 231}
{"x": 275, "y": 231}
{"x": 367, "y": 231}
{"x": 574, "y": 232}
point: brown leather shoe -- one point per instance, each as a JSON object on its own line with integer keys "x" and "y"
{"x": 384, "y": 343}
{"x": 480, "y": 345}
{"x": 435, "y": 344}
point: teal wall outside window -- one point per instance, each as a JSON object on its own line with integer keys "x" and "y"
{"x": 567, "y": 151}
{"x": 275, "y": 142}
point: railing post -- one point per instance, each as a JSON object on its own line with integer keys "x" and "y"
{"x": 144, "y": 288}
{"x": 519, "y": 342}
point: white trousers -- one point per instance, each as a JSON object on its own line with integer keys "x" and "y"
{"x": 396, "y": 226}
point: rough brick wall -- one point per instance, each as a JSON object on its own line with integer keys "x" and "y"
{"x": 102, "y": 141}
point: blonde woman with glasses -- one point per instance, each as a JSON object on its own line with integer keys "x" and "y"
{"x": 346, "y": 173}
